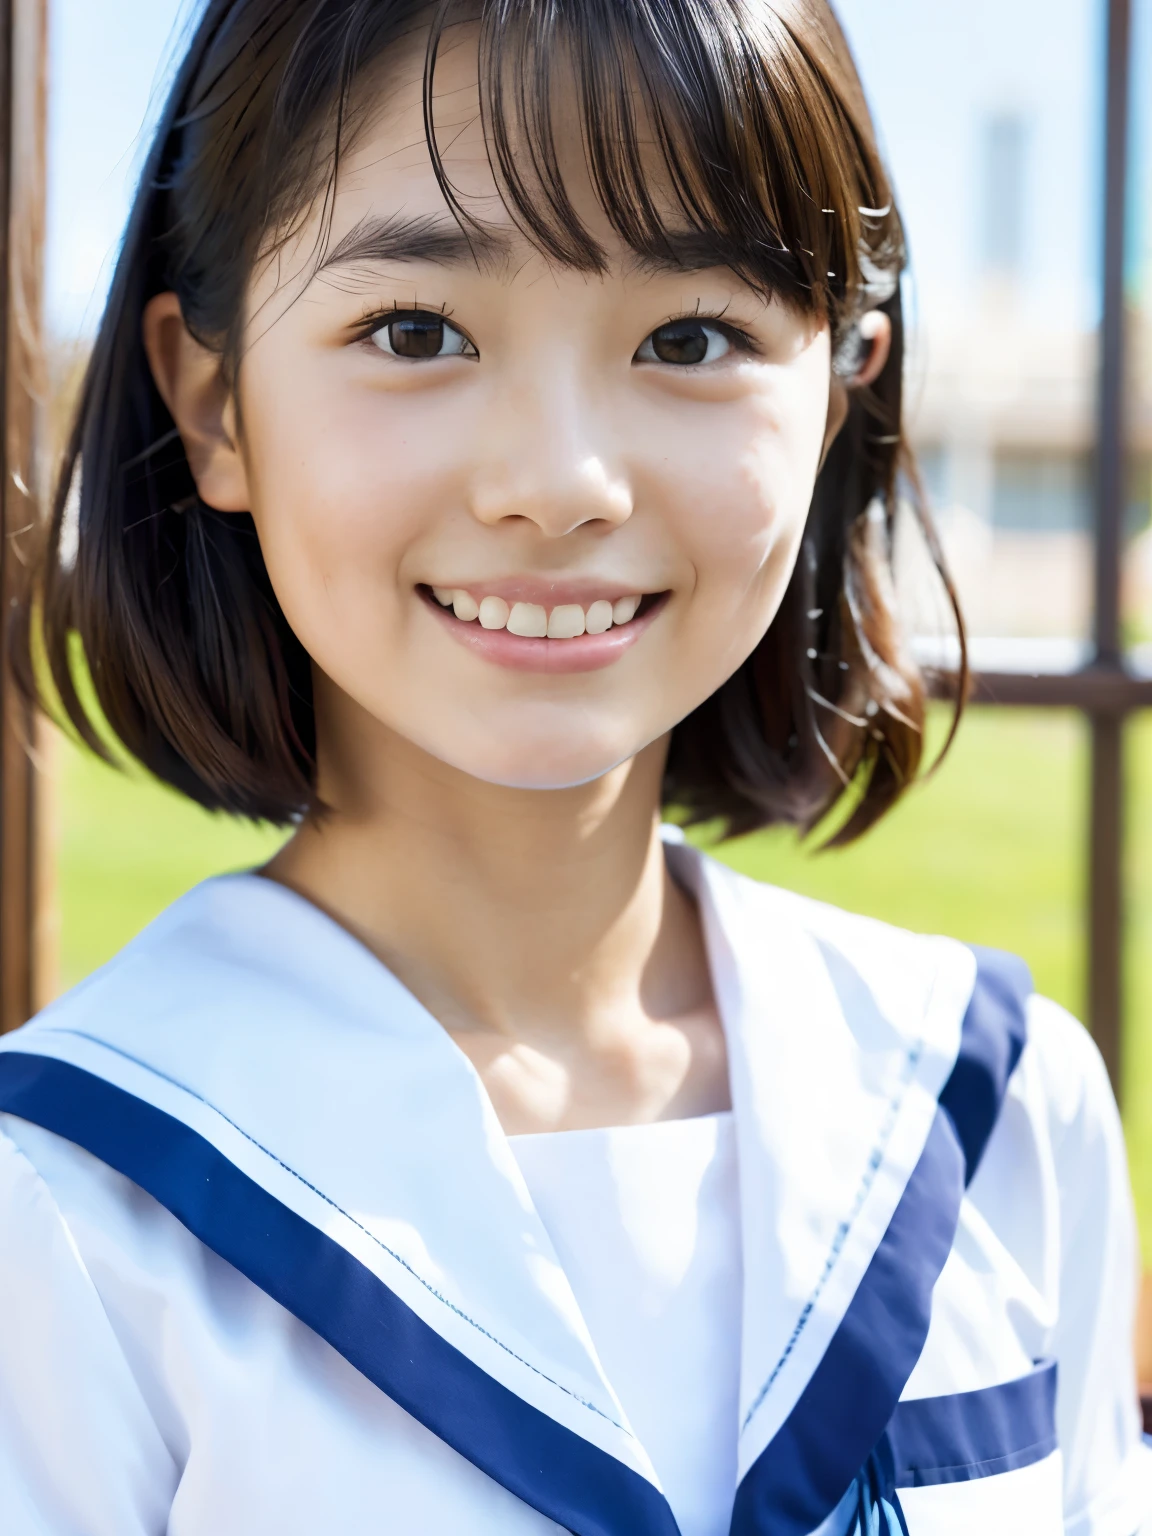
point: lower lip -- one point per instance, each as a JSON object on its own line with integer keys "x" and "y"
{"x": 586, "y": 653}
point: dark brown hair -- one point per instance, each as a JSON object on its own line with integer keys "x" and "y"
{"x": 766, "y": 142}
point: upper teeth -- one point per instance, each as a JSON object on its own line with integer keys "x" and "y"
{"x": 531, "y": 619}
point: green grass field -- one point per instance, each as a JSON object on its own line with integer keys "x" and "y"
{"x": 990, "y": 850}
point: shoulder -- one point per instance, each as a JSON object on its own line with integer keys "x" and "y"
{"x": 171, "y": 961}
{"x": 59, "y": 1204}
{"x": 1056, "y": 1176}
{"x": 29, "y": 1216}
{"x": 238, "y": 956}
{"x": 41, "y": 1177}
{"x": 46, "y": 1278}
{"x": 81, "y": 1449}
{"x": 1060, "y": 1118}
{"x": 1063, "y": 1071}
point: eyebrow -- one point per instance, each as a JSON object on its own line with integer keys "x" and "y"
{"x": 397, "y": 238}
{"x": 686, "y": 250}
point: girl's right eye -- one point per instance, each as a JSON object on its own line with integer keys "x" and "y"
{"x": 418, "y": 334}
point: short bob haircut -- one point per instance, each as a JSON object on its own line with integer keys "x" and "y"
{"x": 766, "y": 145}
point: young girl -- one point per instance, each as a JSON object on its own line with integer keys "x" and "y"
{"x": 493, "y": 438}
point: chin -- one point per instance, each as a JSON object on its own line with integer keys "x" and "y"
{"x": 543, "y": 764}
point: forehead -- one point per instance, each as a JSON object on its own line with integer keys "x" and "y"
{"x": 389, "y": 166}
{"x": 388, "y": 154}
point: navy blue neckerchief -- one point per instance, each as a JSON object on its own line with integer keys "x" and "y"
{"x": 800, "y": 1477}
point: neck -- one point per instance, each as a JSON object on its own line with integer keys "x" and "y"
{"x": 539, "y": 927}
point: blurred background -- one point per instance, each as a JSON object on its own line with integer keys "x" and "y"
{"x": 992, "y": 115}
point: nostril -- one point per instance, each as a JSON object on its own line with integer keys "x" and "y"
{"x": 556, "y": 501}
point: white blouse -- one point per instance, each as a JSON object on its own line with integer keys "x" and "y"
{"x": 645, "y": 1221}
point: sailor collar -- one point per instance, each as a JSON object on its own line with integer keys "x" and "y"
{"x": 257, "y": 1071}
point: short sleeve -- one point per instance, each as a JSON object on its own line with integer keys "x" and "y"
{"x": 80, "y": 1454}
{"x": 1107, "y": 1469}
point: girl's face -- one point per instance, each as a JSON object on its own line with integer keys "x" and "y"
{"x": 524, "y": 517}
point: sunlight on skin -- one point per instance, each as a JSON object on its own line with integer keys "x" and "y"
{"x": 543, "y": 452}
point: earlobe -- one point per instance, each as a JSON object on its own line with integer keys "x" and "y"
{"x": 190, "y": 380}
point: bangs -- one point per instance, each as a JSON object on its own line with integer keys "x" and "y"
{"x": 713, "y": 132}
{"x": 723, "y": 120}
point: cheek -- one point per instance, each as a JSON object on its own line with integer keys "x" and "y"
{"x": 343, "y": 487}
{"x": 744, "y": 503}
{"x": 778, "y": 470}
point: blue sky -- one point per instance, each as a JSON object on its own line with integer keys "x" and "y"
{"x": 934, "y": 71}
{"x": 105, "y": 58}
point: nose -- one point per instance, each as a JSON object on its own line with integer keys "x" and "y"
{"x": 547, "y": 460}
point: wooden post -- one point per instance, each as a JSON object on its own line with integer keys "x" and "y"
{"x": 1106, "y": 862}
{"x": 23, "y": 103}
{"x": 1106, "y": 891}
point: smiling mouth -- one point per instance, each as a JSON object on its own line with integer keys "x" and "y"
{"x": 532, "y": 621}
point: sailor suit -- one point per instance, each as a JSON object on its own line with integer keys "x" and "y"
{"x": 269, "y": 1263}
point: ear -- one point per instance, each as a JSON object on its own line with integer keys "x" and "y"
{"x": 190, "y": 379}
{"x": 875, "y": 334}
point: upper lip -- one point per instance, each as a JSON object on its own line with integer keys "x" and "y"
{"x": 548, "y": 593}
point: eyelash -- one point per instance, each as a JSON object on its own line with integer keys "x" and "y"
{"x": 741, "y": 339}
{"x": 376, "y": 320}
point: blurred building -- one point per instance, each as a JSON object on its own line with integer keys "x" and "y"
{"x": 990, "y": 116}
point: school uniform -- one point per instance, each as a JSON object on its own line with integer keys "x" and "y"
{"x": 269, "y": 1263}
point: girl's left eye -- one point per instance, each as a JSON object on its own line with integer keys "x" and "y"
{"x": 687, "y": 343}
{"x": 418, "y": 334}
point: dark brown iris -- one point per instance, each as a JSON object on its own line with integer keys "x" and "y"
{"x": 680, "y": 341}
{"x": 417, "y": 336}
